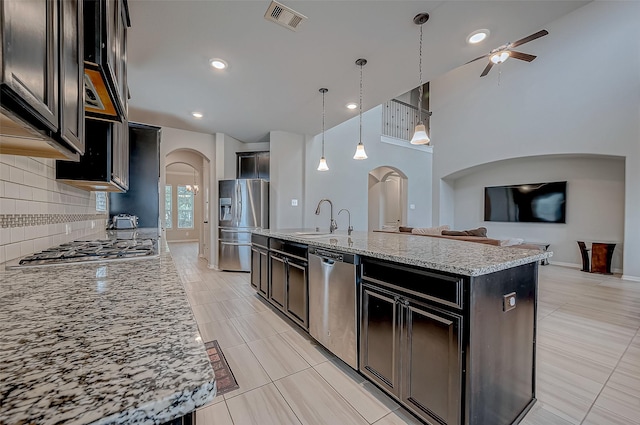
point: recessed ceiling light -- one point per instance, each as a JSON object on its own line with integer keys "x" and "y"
{"x": 477, "y": 36}
{"x": 197, "y": 114}
{"x": 218, "y": 63}
{"x": 352, "y": 105}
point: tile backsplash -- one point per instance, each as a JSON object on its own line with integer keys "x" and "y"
{"x": 37, "y": 212}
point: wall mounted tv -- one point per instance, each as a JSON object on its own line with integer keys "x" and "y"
{"x": 529, "y": 203}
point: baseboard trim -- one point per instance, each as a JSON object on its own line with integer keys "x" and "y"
{"x": 631, "y": 278}
{"x": 570, "y": 265}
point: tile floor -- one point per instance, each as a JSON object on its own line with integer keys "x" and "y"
{"x": 588, "y": 355}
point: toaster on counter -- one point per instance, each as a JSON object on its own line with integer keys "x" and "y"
{"x": 125, "y": 221}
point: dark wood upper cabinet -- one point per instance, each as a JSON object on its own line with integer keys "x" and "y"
{"x": 252, "y": 165}
{"x": 72, "y": 74}
{"x": 105, "y": 53}
{"x": 40, "y": 84}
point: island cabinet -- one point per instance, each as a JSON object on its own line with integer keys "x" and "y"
{"x": 260, "y": 264}
{"x": 42, "y": 78}
{"x": 452, "y": 349}
{"x": 288, "y": 279}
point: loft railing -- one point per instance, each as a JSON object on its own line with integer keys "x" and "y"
{"x": 399, "y": 119}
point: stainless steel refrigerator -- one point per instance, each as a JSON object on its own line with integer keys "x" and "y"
{"x": 243, "y": 206}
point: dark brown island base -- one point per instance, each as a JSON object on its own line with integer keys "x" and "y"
{"x": 447, "y": 328}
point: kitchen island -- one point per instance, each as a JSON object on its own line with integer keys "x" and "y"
{"x": 101, "y": 343}
{"x": 447, "y": 328}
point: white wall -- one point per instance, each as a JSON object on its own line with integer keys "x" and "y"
{"x": 591, "y": 182}
{"x": 287, "y": 177}
{"x": 346, "y": 183}
{"x": 580, "y": 96}
{"x": 37, "y": 212}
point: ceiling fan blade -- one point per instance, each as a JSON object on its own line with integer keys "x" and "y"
{"x": 478, "y": 58}
{"x": 522, "y": 56}
{"x": 487, "y": 69}
{"x": 529, "y": 38}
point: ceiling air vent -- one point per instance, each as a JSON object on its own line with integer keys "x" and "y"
{"x": 284, "y": 16}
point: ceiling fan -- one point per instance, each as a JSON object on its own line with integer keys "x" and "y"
{"x": 504, "y": 52}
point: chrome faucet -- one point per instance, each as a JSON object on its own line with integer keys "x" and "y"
{"x": 350, "y": 228}
{"x": 333, "y": 225}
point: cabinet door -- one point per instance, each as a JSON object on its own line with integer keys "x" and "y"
{"x": 432, "y": 363}
{"x": 263, "y": 165}
{"x": 30, "y": 56}
{"x": 278, "y": 280}
{"x": 296, "y": 295}
{"x": 264, "y": 273}
{"x": 247, "y": 166}
{"x": 120, "y": 154}
{"x": 380, "y": 338}
{"x": 72, "y": 74}
{"x": 255, "y": 268}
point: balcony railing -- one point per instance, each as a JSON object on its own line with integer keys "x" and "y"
{"x": 399, "y": 119}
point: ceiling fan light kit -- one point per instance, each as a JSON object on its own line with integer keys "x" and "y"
{"x": 420, "y": 136}
{"x": 502, "y": 53}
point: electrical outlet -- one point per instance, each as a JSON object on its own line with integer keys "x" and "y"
{"x": 509, "y": 301}
{"x": 412, "y": 206}
{"x": 294, "y": 202}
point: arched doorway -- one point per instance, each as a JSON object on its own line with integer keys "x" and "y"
{"x": 186, "y": 199}
{"x": 387, "y": 198}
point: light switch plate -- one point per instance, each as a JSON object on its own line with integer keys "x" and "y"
{"x": 294, "y": 202}
{"x": 509, "y": 301}
{"x": 412, "y": 206}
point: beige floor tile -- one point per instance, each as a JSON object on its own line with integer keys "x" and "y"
{"x": 257, "y": 302}
{"x": 398, "y": 417}
{"x": 276, "y": 320}
{"x": 277, "y": 357}
{"x": 262, "y": 406}
{"x": 621, "y": 402}
{"x": 216, "y": 414}
{"x": 367, "y": 399}
{"x": 243, "y": 289}
{"x": 200, "y": 297}
{"x": 246, "y": 369}
{"x": 538, "y": 415}
{"x": 223, "y": 331}
{"x": 237, "y": 307}
{"x": 253, "y": 327}
{"x": 225, "y": 294}
{"x": 304, "y": 345}
{"x": 600, "y": 416}
{"x": 315, "y": 402}
{"x": 205, "y": 313}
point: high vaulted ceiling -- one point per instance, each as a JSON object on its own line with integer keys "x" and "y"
{"x": 274, "y": 74}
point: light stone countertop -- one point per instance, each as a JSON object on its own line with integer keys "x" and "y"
{"x": 100, "y": 343}
{"x": 447, "y": 255}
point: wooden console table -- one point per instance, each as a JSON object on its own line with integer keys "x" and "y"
{"x": 601, "y": 255}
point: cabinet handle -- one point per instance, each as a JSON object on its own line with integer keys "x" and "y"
{"x": 396, "y": 298}
{"x": 406, "y": 303}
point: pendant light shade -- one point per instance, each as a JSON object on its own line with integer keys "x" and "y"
{"x": 420, "y": 136}
{"x": 360, "y": 153}
{"x": 322, "y": 166}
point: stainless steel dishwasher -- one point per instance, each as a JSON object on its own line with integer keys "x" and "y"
{"x": 333, "y": 302}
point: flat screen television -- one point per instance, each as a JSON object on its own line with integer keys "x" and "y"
{"x": 526, "y": 203}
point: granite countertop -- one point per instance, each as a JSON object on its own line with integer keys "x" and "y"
{"x": 447, "y": 255}
{"x": 100, "y": 343}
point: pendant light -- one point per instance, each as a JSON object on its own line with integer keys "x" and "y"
{"x": 420, "y": 136}
{"x": 195, "y": 189}
{"x": 322, "y": 166}
{"x": 360, "y": 153}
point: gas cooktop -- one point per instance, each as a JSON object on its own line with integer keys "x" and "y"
{"x": 94, "y": 250}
